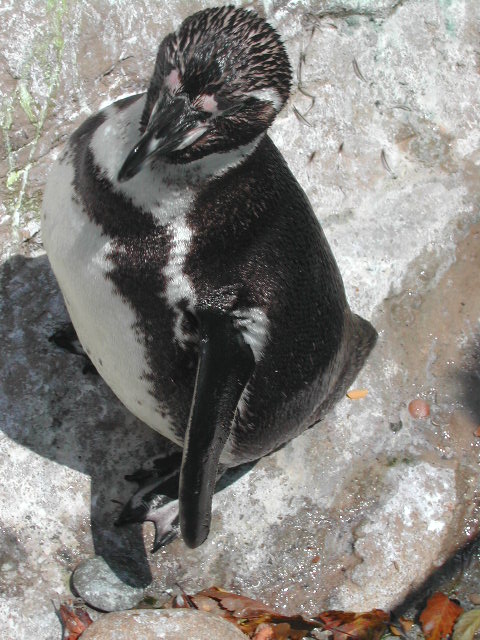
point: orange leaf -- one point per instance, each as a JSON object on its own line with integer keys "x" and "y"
{"x": 357, "y": 394}
{"x": 238, "y": 606}
{"x": 264, "y": 632}
{"x": 395, "y": 631}
{"x": 75, "y": 620}
{"x": 260, "y": 622}
{"x": 439, "y": 616}
{"x": 361, "y": 626}
{"x": 401, "y": 627}
{"x": 250, "y": 616}
{"x": 406, "y": 623}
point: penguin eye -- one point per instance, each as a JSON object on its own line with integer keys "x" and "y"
{"x": 225, "y": 105}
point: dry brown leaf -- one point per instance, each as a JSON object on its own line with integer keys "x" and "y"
{"x": 406, "y": 624}
{"x": 250, "y": 616}
{"x": 467, "y": 625}
{"x": 237, "y": 606}
{"x": 264, "y": 632}
{"x": 362, "y": 626}
{"x": 439, "y": 617}
{"x": 75, "y": 620}
{"x": 401, "y": 626}
{"x": 260, "y": 622}
{"x": 284, "y": 627}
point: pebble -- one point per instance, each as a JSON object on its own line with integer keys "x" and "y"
{"x": 419, "y": 408}
{"x": 167, "y": 624}
{"x": 106, "y": 588}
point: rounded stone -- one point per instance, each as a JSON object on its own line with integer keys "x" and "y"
{"x": 419, "y": 408}
{"x": 107, "y": 587}
{"x": 168, "y": 624}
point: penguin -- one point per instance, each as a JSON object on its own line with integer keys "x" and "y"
{"x": 195, "y": 272}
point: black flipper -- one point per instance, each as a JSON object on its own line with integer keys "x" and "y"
{"x": 225, "y": 365}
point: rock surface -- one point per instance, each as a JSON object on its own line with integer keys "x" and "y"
{"x": 356, "y": 512}
{"x": 167, "y": 625}
{"x": 106, "y": 587}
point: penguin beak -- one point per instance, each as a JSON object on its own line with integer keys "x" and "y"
{"x": 173, "y": 126}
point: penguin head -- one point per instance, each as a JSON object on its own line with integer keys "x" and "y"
{"x": 218, "y": 84}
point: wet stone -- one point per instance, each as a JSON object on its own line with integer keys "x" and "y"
{"x": 106, "y": 586}
{"x": 175, "y": 624}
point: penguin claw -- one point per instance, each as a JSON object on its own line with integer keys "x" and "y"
{"x": 140, "y": 476}
{"x": 165, "y": 539}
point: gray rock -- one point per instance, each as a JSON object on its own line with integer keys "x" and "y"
{"x": 173, "y": 624}
{"x": 395, "y": 85}
{"x": 105, "y": 586}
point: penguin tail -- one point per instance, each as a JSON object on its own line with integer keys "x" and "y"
{"x": 360, "y": 338}
{"x": 363, "y": 339}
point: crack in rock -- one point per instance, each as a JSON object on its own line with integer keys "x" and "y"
{"x": 346, "y": 12}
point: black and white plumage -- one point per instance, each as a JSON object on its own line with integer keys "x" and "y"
{"x": 192, "y": 265}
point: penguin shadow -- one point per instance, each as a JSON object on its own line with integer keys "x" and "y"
{"x": 63, "y": 411}
{"x": 452, "y": 575}
{"x": 469, "y": 378}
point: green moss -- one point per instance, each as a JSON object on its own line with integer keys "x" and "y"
{"x": 149, "y": 602}
{"x": 394, "y": 462}
{"x": 26, "y": 102}
{"x": 13, "y": 177}
{"x": 44, "y": 59}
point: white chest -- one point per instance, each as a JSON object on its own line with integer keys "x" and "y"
{"x": 79, "y": 253}
{"x": 104, "y": 322}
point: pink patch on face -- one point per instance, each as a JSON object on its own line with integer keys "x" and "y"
{"x": 172, "y": 81}
{"x": 208, "y": 103}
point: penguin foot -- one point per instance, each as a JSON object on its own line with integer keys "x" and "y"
{"x": 156, "y": 498}
{"x": 66, "y": 338}
{"x": 159, "y": 509}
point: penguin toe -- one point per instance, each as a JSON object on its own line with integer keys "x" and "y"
{"x": 164, "y": 535}
{"x": 160, "y": 469}
{"x": 163, "y": 512}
